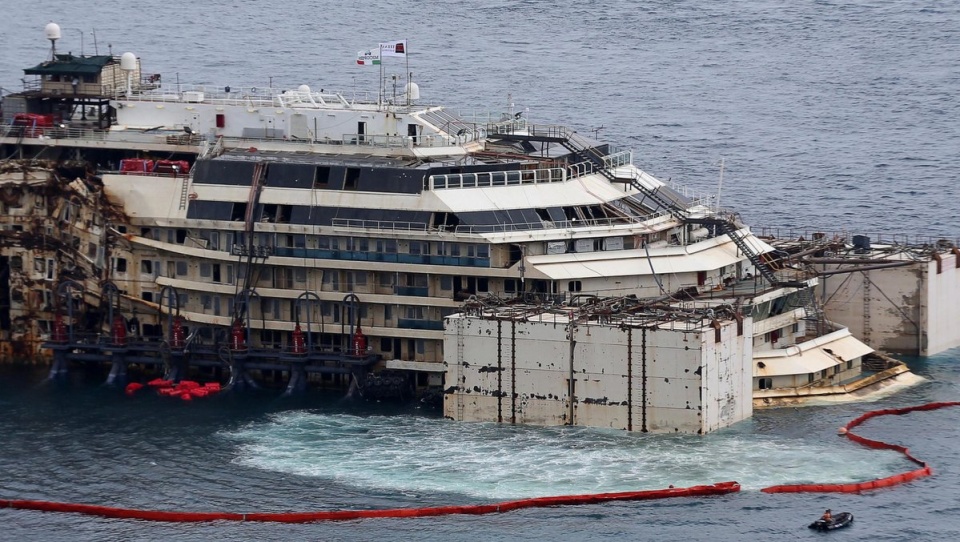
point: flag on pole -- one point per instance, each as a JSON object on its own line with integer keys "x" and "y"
{"x": 368, "y": 58}
{"x": 394, "y": 48}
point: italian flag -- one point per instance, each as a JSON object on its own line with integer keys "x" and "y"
{"x": 368, "y": 58}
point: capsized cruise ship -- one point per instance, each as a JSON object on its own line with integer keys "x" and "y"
{"x": 310, "y": 237}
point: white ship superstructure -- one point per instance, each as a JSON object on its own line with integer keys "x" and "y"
{"x": 263, "y": 224}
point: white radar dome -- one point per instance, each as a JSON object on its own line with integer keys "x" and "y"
{"x": 52, "y": 30}
{"x": 413, "y": 91}
{"x": 128, "y": 62}
{"x": 304, "y": 89}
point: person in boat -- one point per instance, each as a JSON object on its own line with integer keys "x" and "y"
{"x": 827, "y": 516}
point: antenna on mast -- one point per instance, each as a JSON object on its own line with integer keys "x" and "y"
{"x": 720, "y": 185}
{"x": 52, "y": 31}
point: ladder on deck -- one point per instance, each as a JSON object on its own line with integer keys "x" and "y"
{"x": 763, "y": 263}
{"x": 458, "y": 389}
{"x": 184, "y": 191}
{"x": 583, "y": 148}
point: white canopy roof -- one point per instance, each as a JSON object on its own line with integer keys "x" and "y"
{"x": 706, "y": 255}
{"x": 811, "y": 356}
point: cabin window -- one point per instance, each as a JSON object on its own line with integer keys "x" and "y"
{"x": 483, "y": 284}
{"x": 120, "y": 265}
{"x": 353, "y": 176}
{"x": 331, "y": 310}
{"x": 332, "y": 278}
{"x": 446, "y": 283}
{"x": 239, "y": 211}
{"x": 328, "y": 243}
{"x": 322, "y": 178}
{"x": 271, "y": 307}
{"x": 388, "y": 246}
{"x": 206, "y": 270}
{"x": 419, "y": 247}
{"x": 574, "y": 286}
{"x": 356, "y": 278}
{"x": 413, "y": 313}
{"x": 181, "y": 236}
{"x": 283, "y": 278}
{"x": 416, "y": 280}
{"x": 765, "y": 383}
{"x": 146, "y": 267}
{"x": 510, "y": 286}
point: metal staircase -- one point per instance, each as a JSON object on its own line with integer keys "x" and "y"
{"x": 813, "y": 312}
{"x": 582, "y": 147}
{"x": 763, "y": 264}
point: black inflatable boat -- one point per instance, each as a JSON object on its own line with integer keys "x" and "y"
{"x": 840, "y": 520}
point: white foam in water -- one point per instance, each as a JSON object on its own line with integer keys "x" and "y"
{"x": 413, "y": 455}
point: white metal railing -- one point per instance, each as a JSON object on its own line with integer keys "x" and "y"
{"x": 245, "y": 96}
{"x": 378, "y": 224}
{"x": 621, "y": 158}
{"x": 496, "y": 178}
{"x": 699, "y": 197}
{"x": 586, "y": 223}
{"x": 50, "y": 135}
{"x": 845, "y": 236}
{"x": 42, "y": 134}
{"x": 508, "y": 126}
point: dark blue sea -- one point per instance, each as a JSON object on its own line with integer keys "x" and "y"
{"x": 827, "y": 115}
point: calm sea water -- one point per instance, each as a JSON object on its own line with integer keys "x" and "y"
{"x": 827, "y": 115}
